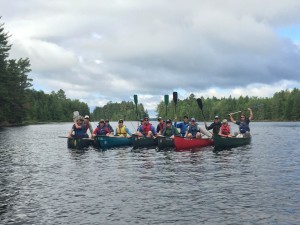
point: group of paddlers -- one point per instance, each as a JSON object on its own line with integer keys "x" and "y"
{"x": 187, "y": 128}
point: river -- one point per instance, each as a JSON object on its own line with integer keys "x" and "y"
{"x": 44, "y": 182}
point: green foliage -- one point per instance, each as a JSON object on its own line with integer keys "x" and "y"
{"x": 116, "y": 111}
{"x": 283, "y": 106}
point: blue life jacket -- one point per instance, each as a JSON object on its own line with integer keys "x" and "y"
{"x": 244, "y": 127}
{"x": 193, "y": 130}
{"x": 80, "y": 132}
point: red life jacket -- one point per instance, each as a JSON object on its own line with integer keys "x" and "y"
{"x": 146, "y": 128}
{"x": 225, "y": 129}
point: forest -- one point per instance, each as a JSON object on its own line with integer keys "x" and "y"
{"x": 20, "y": 104}
{"x": 282, "y": 106}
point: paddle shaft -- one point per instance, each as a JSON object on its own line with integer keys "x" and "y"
{"x": 175, "y": 98}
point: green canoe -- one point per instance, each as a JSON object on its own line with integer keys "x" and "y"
{"x": 79, "y": 143}
{"x": 165, "y": 143}
{"x": 221, "y": 142}
{"x": 106, "y": 142}
{"x": 143, "y": 142}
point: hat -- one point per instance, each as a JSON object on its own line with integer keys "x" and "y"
{"x": 193, "y": 119}
{"x": 102, "y": 120}
{"x": 159, "y": 118}
{"x": 216, "y": 117}
{"x": 81, "y": 118}
{"x": 121, "y": 121}
{"x": 86, "y": 117}
{"x": 107, "y": 120}
{"x": 146, "y": 117}
{"x": 185, "y": 117}
{"x": 169, "y": 121}
{"x": 224, "y": 121}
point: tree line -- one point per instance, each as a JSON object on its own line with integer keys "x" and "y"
{"x": 282, "y": 106}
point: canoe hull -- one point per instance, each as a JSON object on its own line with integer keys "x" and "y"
{"x": 143, "y": 142}
{"x": 230, "y": 142}
{"x": 78, "y": 143}
{"x": 165, "y": 143}
{"x": 106, "y": 142}
{"x": 186, "y": 143}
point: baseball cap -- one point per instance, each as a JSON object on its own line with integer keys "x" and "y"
{"x": 216, "y": 117}
{"x": 193, "y": 119}
{"x": 168, "y": 121}
{"x": 224, "y": 121}
{"x": 86, "y": 117}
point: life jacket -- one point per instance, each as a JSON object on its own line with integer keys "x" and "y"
{"x": 161, "y": 126}
{"x": 244, "y": 127}
{"x": 225, "y": 129}
{"x": 121, "y": 131}
{"x": 102, "y": 130}
{"x": 79, "y": 132}
{"x": 172, "y": 131}
{"x": 146, "y": 128}
{"x": 193, "y": 129}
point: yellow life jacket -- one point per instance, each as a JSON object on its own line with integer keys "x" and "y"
{"x": 121, "y": 131}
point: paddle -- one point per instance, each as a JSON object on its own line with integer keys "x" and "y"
{"x": 135, "y": 98}
{"x": 175, "y": 98}
{"x": 235, "y": 112}
{"x": 166, "y": 103}
{"x": 73, "y": 137}
{"x": 199, "y": 101}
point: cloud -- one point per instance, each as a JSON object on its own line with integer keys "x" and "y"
{"x": 100, "y": 51}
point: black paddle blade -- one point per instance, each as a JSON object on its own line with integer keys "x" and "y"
{"x": 135, "y": 97}
{"x": 175, "y": 97}
{"x": 199, "y": 101}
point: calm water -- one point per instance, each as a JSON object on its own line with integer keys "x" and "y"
{"x": 44, "y": 182}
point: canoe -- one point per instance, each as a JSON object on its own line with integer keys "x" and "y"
{"x": 143, "y": 142}
{"x": 221, "y": 142}
{"x": 106, "y": 142}
{"x": 165, "y": 143}
{"x": 186, "y": 143}
{"x": 79, "y": 143}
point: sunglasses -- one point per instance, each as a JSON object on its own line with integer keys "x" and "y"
{"x": 146, "y": 120}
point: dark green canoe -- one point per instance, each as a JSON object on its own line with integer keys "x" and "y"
{"x": 106, "y": 142}
{"x": 79, "y": 143}
{"x": 164, "y": 143}
{"x": 143, "y": 142}
{"x": 221, "y": 142}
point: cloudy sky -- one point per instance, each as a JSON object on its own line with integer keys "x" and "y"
{"x": 99, "y": 51}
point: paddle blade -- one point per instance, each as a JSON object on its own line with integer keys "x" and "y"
{"x": 166, "y": 99}
{"x": 175, "y": 97}
{"x": 135, "y": 97}
{"x": 199, "y": 101}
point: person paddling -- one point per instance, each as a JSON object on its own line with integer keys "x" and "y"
{"x": 243, "y": 123}
{"x": 88, "y": 125}
{"x": 101, "y": 129}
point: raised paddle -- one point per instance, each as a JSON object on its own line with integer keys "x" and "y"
{"x": 135, "y": 98}
{"x": 166, "y": 103}
{"x": 175, "y": 98}
{"x": 199, "y": 101}
{"x": 235, "y": 113}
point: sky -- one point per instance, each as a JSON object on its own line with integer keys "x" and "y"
{"x": 100, "y": 51}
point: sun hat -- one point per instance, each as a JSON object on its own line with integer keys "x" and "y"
{"x": 121, "y": 121}
{"x": 224, "y": 121}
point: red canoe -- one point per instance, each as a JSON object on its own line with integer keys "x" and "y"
{"x": 186, "y": 143}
